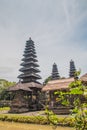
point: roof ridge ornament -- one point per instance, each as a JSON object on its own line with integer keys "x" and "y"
{"x": 29, "y": 38}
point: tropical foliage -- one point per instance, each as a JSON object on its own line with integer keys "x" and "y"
{"x": 77, "y": 91}
{"x": 47, "y": 80}
{"x": 4, "y": 84}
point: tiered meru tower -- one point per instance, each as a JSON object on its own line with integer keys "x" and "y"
{"x": 55, "y": 73}
{"x": 72, "y": 69}
{"x": 27, "y": 91}
{"x": 29, "y": 66}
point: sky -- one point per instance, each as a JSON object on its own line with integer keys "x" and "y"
{"x": 58, "y": 28}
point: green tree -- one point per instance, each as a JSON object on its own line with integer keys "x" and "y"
{"x": 4, "y": 84}
{"x": 47, "y": 80}
{"x": 77, "y": 91}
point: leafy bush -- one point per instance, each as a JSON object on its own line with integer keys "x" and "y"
{"x": 77, "y": 92}
{"x": 37, "y": 119}
{"x": 4, "y": 108}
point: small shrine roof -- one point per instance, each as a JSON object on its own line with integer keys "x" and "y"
{"x": 84, "y": 78}
{"x": 25, "y": 86}
{"x": 19, "y": 86}
{"x": 60, "y": 84}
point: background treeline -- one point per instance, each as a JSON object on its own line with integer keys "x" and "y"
{"x": 4, "y": 84}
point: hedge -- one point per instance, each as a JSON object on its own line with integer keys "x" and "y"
{"x": 36, "y": 119}
{"x": 4, "y": 108}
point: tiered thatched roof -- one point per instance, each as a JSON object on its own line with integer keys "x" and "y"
{"x": 61, "y": 84}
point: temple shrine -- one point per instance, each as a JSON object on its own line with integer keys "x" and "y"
{"x": 58, "y": 84}
{"x": 26, "y": 92}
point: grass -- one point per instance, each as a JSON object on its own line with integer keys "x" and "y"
{"x": 18, "y": 126}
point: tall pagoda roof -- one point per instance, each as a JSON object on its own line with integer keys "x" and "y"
{"x": 29, "y": 47}
{"x": 30, "y": 62}
{"x": 30, "y": 58}
{"x": 35, "y": 76}
{"x": 55, "y": 73}
{"x": 29, "y": 65}
{"x": 29, "y": 68}
{"x": 30, "y": 54}
{"x": 30, "y": 41}
{"x": 72, "y": 69}
{"x": 29, "y": 50}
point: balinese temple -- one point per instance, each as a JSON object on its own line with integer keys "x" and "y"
{"x": 20, "y": 102}
{"x": 72, "y": 69}
{"x": 53, "y": 86}
{"x": 26, "y": 92}
{"x": 55, "y": 73}
{"x": 58, "y": 84}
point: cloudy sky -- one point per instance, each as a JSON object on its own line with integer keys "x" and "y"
{"x": 58, "y": 28}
